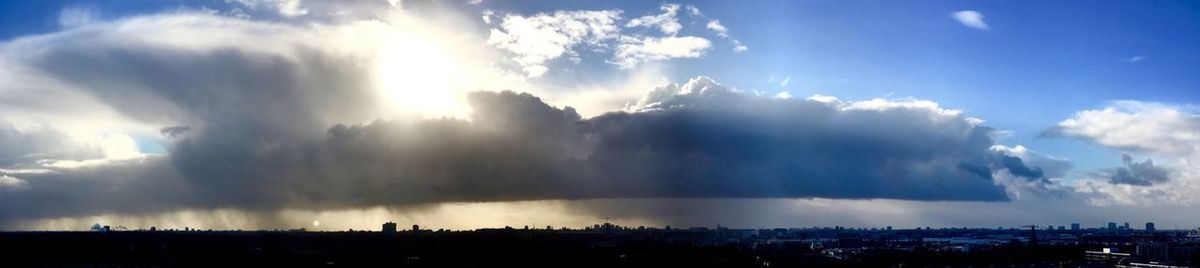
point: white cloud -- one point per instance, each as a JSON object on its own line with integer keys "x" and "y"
{"x": 783, "y": 95}
{"x": 12, "y": 183}
{"x": 723, "y": 32}
{"x": 1138, "y": 126}
{"x": 287, "y": 8}
{"x": 739, "y": 47}
{"x": 537, "y": 40}
{"x": 694, "y": 11}
{"x": 633, "y": 52}
{"x": 1167, "y": 136}
{"x": 665, "y": 22}
{"x": 716, "y": 26}
{"x": 970, "y": 18}
{"x": 540, "y": 38}
{"x": 1136, "y": 58}
{"x": 75, "y": 17}
{"x": 786, "y": 81}
{"x": 111, "y": 147}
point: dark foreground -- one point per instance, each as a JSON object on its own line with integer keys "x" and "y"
{"x": 516, "y": 248}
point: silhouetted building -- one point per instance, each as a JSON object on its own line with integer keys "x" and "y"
{"x": 1126, "y": 226}
{"x": 1149, "y": 226}
{"x": 1033, "y": 239}
{"x": 1074, "y": 227}
{"x": 1112, "y": 226}
{"x": 416, "y": 228}
{"x": 389, "y": 228}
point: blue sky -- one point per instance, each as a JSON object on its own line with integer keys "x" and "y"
{"x": 1037, "y": 63}
{"x": 1100, "y": 78}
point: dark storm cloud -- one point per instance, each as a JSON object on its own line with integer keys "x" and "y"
{"x": 261, "y": 131}
{"x": 1016, "y": 166}
{"x": 517, "y": 147}
{"x": 1135, "y": 173}
{"x": 135, "y": 186}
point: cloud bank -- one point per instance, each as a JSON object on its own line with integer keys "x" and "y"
{"x": 268, "y": 116}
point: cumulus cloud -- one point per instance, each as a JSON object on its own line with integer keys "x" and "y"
{"x": 74, "y": 102}
{"x": 970, "y": 18}
{"x": 263, "y": 117}
{"x": 1045, "y": 165}
{"x": 716, "y": 26}
{"x": 665, "y": 22}
{"x": 537, "y": 40}
{"x": 680, "y": 141}
{"x": 540, "y": 38}
{"x": 1157, "y": 130}
{"x": 693, "y": 140}
{"x": 1135, "y": 126}
{"x": 633, "y": 52}
{"x": 1135, "y": 173}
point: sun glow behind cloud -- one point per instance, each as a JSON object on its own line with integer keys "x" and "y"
{"x": 418, "y": 75}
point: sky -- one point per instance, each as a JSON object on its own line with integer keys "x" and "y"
{"x": 334, "y": 115}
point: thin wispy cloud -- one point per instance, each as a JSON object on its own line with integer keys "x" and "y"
{"x": 970, "y": 18}
{"x": 1136, "y": 58}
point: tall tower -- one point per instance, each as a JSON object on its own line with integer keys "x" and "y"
{"x": 389, "y": 228}
{"x": 1149, "y": 226}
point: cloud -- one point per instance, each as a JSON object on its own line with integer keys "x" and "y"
{"x": 263, "y": 117}
{"x": 970, "y": 18}
{"x": 1134, "y": 173}
{"x": 540, "y": 38}
{"x": 665, "y": 22}
{"x": 785, "y": 81}
{"x": 693, "y": 140}
{"x": 1135, "y": 126}
{"x": 75, "y": 17}
{"x": 1157, "y": 130}
{"x": 676, "y": 143}
{"x": 1046, "y": 166}
{"x": 1136, "y": 58}
{"x": 720, "y": 29}
{"x": 716, "y": 26}
{"x": 537, "y": 40}
{"x": 633, "y": 52}
{"x": 739, "y": 47}
{"x": 287, "y": 8}
{"x": 10, "y": 183}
